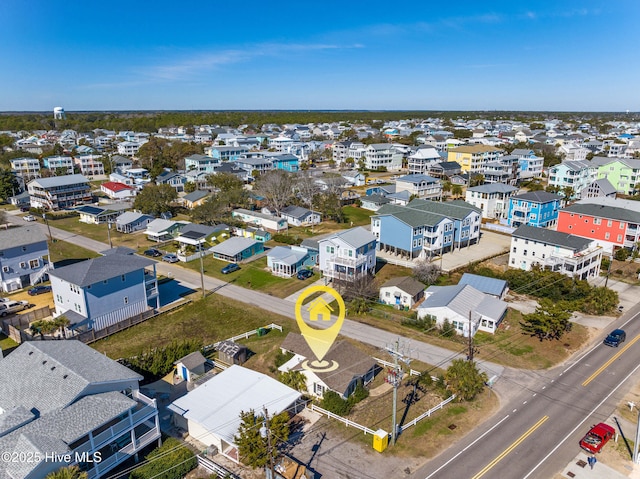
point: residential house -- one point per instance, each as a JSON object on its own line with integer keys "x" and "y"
{"x": 173, "y": 179}
{"x": 27, "y": 168}
{"x": 286, "y": 261}
{"x": 233, "y": 169}
{"x": 63, "y": 403}
{"x": 160, "y": 229}
{"x": 623, "y": 173}
{"x": 505, "y": 169}
{"x": 404, "y": 291}
{"x": 422, "y": 160}
{"x": 341, "y": 152}
{"x": 355, "y": 367}
{"x": 95, "y": 215}
{"x": 473, "y": 158}
{"x": 299, "y": 216}
{"x": 195, "y": 198}
{"x": 237, "y": 249}
{"x": 612, "y": 223}
{"x": 118, "y": 191}
{"x": 572, "y": 151}
{"x": 444, "y": 169}
{"x": 257, "y": 234}
{"x": 59, "y": 165}
{"x": 374, "y": 202}
{"x": 89, "y": 165}
{"x": 131, "y": 221}
{"x": 355, "y": 178}
{"x": 576, "y": 174}
{"x": 226, "y": 153}
{"x": 382, "y": 155}
{"x": 210, "y": 413}
{"x": 491, "y": 198}
{"x": 97, "y": 293}
{"x": 465, "y": 308}
{"x": 597, "y": 188}
{"x": 347, "y": 255}
{"x": 425, "y": 228}
{"x": 568, "y": 254}
{"x": 421, "y": 186}
{"x": 129, "y": 148}
{"x": 120, "y": 164}
{"x": 534, "y": 208}
{"x": 260, "y": 220}
{"x": 285, "y": 162}
{"x": 531, "y": 166}
{"x": 401, "y": 198}
{"x": 201, "y": 163}
{"x": 24, "y": 257}
{"x": 254, "y": 166}
{"x": 59, "y": 192}
{"x": 492, "y": 286}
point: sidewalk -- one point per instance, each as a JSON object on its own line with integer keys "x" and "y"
{"x": 579, "y": 469}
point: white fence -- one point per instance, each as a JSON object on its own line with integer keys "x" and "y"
{"x": 346, "y": 421}
{"x": 504, "y": 229}
{"x": 243, "y": 336}
{"x": 428, "y": 413}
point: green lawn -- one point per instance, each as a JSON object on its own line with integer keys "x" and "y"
{"x": 357, "y": 216}
{"x": 7, "y": 344}
{"x": 62, "y": 250}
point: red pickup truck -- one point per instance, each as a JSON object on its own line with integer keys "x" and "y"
{"x": 597, "y": 437}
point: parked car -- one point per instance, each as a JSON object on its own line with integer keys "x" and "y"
{"x": 24, "y": 209}
{"x": 36, "y": 290}
{"x": 615, "y": 337}
{"x": 230, "y": 268}
{"x": 10, "y": 307}
{"x": 153, "y": 253}
{"x": 29, "y": 218}
{"x": 597, "y": 437}
{"x": 170, "y": 258}
{"x": 304, "y": 274}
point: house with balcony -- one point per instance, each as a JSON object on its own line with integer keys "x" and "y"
{"x": 129, "y": 148}
{"x": 564, "y": 253}
{"x": 420, "y": 186}
{"x": 24, "y": 257}
{"x": 444, "y": 170}
{"x": 59, "y": 165}
{"x": 613, "y": 223}
{"x": 575, "y": 174}
{"x": 424, "y": 229}
{"x": 89, "y": 165}
{"x": 534, "y": 208}
{"x": 201, "y": 163}
{"x": 530, "y": 165}
{"x": 423, "y": 158}
{"x": 340, "y": 152}
{"x": 622, "y": 173}
{"x": 505, "y": 169}
{"x": 65, "y": 398}
{"x": 286, "y": 162}
{"x": 226, "y": 153}
{"x": 474, "y": 158}
{"x": 59, "y": 192}
{"x": 348, "y": 255}
{"x": 27, "y": 168}
{"x": 382, "y": 155}
{"x": 491, "y": 198}
{"x": 100, "y": 292}
{"x": 120, "y": 164}
{"x": 173, "y": 179}
{"x": 260, "y": 220}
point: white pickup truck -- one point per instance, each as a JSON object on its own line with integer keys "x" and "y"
{"x": 10, "y": 307}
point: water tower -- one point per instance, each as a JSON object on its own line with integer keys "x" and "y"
{"x": 58, "y": 113}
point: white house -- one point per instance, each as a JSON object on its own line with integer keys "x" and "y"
{"x": 211, "y": 412}
{"x": 491, "y": 198}
{"x": 382, "y": 155}
{"x": 422, "y": 186}
{"x": 568, "y": 254}
{"x": 27, "y": 168}
{"x": 420, "y": 161}
{"x": 261, "y": 220}
{"x": 404, "y": 291}
{"x": 464, "y": 307}
{"x": 118, "y": 191}
{"x": 346, "y": 255}
{"x": 298, "y": 216}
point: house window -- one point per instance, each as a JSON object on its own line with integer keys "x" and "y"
{"x": 350, "y": 253}
{"x": 122, "y": 277}
{"x": 23, "y": 264}
{"x": 597, "y": 221}
{"x": 105, "y": 281}
{"x": 525, "y": 253}
{"x": 24, "y": 248}
{"x": 514, "y": 249}
{"x": 34, "y": 263}
{"x": 318, "y": 389}
{"x": 126, "y": 300}
{"x": 5, "y": 269}
{"x": 609, "y": 223}
{"x": 606, "y": 235}
{"x": 387, "y": 294}
{"x": 619, "y": 238}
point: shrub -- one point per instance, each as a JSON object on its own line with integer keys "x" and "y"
{"x": 622, "y": 254}
{"x": 332, "y": 402}
{"x": 446, "y": 330}
{"x": 156, "y": 362}
{"x": 172, "y": 460}
{"x": 286, "y": 239}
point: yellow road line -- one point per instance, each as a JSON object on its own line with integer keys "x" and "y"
{"x": 608, "y": 363}
{"x": 511, "y": 447}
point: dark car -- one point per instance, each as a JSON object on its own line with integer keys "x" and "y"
{"x": 36, "y": 290}
{"x": 615, "y": 337}
{"x": 24, "y": 209}
{"x": 304, "y": 274}
{"x": 230, "y": 268}
{"x": 153, "y": 252}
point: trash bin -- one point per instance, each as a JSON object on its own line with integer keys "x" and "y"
{"x": 262, "y": 331}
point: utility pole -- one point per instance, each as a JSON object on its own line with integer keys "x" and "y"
{"x": 109, "y": 233}
{"x": 470, "y": 354}
{"x": 265, "y": 431}
{"x": 44, "y": 217}
{"x": 394, "y": 377}
{"x": 606, "y": 281}
{"x": 201, "y": 269}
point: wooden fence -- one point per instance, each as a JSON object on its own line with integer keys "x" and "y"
{"x": 17, "y": 325}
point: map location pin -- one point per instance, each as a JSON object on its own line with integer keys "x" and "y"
{"x": 320, "y": 338}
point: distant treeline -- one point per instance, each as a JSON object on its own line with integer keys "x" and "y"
{"x": 150, "y": 121}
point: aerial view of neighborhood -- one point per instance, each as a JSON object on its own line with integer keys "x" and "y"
{"x": 319, "y": 242}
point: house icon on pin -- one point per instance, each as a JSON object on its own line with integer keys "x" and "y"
{"x": 319, "y": 309}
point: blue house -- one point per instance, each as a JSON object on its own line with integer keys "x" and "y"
{"x": 425, "y": 228}
{"x": 130, "y": 221}
{"x": 23, "y": 257}
{"x": 104, "y": 291}
{"x": 285, "y": 162}
{"x": 173, "y": 179}
{"x": 534, "y": 208}
{"x": 237, "y": 249}
{"x": 288, "y": 260}
{"x": 227, "y": 153}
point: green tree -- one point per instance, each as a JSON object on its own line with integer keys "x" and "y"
{"x": 190, "y": 187}
{"x": 446, "y": 187}
{"x": 462, "y": 133}
{"x": 70, "y": 472}
{"x": 456, "y": 191}
{"x": 549, "y": 321}
{"x": 172, "y": 460}
{"x": 464, "y": 379}
{"x": 155, "y": 199}
{"x": 8, "y": 184}
{"x": 476, "y": 180}
{"x": 6, "y": 141}
{"x": 295, "y": 380}
{"x": 252, "y": 446}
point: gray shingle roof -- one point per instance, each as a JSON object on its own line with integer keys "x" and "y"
{"x": 355, "y": 237}
{"x": 59, "y": 181}
{"x": 21, "y": 236}
{"x": 196, "y": 195}
{"x": 99, "y": 269}
{"x": 538, "y": 196}
{"x": 462, "y": 299}
{"x": 484, "y": 284}
{"x": 297, "y": 212}
{"x": 406, "y": 284}
{"x": 493, "y": 188}
{"x": 604, "y": 211}
{"x": 541, "y": 235}
{"x": 233, "y": 246}
{"x": 192, "y": 361}
{"x": 130, "y": 217}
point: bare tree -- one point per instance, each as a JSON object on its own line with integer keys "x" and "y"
{"x": 426, "y": 272}
{"x": 306, "y": 188}
{"x": 362, "y": 286}
{"x": 276, "y": 186}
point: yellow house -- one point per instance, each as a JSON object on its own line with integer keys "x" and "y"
{"x": 473, "y": 158}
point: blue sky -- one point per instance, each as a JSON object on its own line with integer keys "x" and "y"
{"x": 211, "y": 55}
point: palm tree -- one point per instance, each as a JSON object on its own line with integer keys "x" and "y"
{"x": 456, "y": 190}
{"x": 71, "y": 472}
